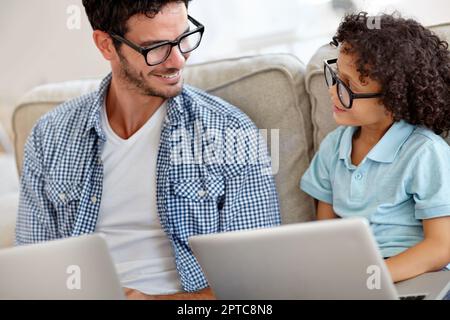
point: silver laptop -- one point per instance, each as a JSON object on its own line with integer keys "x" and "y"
{"x": 333, "y": 259}
{"x": 73, "y": 268}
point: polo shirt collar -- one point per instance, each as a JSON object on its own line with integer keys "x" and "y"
{"x": 345, "y": 146}
{"x": 386, "y": 149}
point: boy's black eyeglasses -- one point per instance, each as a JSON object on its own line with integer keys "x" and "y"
{"x": 158, "y": 53}
{"x": 346, "y": 96}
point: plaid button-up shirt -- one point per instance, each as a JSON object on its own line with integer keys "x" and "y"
{"x": 207, "y": 178}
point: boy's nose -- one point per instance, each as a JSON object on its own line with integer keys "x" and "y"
{"x": 332, "y": 91}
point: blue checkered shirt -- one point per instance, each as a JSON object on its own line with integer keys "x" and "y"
{"x": 62, "y": 178}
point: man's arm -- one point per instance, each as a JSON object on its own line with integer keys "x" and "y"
{"x": 34, "y": 219}
{"x": 205, "y": 294}
{"x": 432, "y": 254}
{"x": 255, "y": 202}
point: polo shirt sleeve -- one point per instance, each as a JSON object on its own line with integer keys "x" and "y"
{"x": 316, "y": 181}
{"x": 430, "y": 183}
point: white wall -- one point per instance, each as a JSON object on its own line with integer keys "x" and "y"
{"x": 37, "y": 47}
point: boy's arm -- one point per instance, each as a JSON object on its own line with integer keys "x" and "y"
{"x": 431, "y": 254}
{"x": 325, "y": 211}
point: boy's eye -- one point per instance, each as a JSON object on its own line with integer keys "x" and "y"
{"x": 345, "y": 80}
{"x": 347, "y": 83}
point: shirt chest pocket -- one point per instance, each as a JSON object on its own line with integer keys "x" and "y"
{"x": 197, "y": 202}
{"x": 65, "y": 198}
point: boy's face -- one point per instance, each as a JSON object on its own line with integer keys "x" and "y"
{"x": 164, "y": 80}
{"x": 364, "y": 111}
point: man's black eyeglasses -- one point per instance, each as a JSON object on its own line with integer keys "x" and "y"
{"x": 158, "y": 53}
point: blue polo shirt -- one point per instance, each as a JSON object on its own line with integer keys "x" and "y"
{"x": 404, "y": 179}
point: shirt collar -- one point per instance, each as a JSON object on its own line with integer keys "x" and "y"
{"x": 96, "y": 107}
{"x": 174, "y": 107}
{"x": 345, "y": 146}
{"x": 386, "y": 149}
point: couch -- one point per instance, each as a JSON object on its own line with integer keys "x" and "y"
{"x": 277, "y": 91}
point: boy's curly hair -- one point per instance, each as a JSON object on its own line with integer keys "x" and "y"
{"x": 410, "y": 62}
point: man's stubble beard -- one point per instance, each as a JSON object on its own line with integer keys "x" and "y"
{"x": 137, "y": 81}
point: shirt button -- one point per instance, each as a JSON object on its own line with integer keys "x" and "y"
{"x": 94, "y": 200}
{"x": 201, "y": 193}
{"x": 62, "y": 196}
{"x": 99, "y": 160}
{"x": 358, "y": 176}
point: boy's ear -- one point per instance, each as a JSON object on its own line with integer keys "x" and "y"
{"x": 104, "y": 43}
{"x": 386, "y": 111}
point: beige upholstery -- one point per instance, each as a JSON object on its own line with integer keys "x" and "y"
{"x": 8, "y": 208}
{"x": 442, "y": 30}
{"x": 269, "y": 88}
{"x": 321, "y": 115}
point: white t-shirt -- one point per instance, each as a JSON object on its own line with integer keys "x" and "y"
{"x": 128, "y": 215}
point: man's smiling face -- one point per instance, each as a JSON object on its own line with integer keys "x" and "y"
{"x": 166, "y": 79}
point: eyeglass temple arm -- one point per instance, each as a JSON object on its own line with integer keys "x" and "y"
{"x": 330, "y": 61}
{"x": 198, "y": 24}
{"x": 366, "y": 95}
{"x": 131, "y": 44}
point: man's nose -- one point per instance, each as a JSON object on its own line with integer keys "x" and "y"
{"x": 176, "y": 59}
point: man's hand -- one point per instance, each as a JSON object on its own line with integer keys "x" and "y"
{"x": 205, "y": 294}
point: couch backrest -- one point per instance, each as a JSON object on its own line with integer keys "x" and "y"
{"x": 268, "y": 88}
{"x": 321, "y": 115}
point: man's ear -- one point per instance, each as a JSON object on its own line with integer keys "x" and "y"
{"x": 104, "y": 44}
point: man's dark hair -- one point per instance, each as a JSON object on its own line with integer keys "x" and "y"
{"x": 112, "y": 15}
{"x": 411, "y": 63}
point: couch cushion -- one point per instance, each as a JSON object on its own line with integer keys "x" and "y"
{"x": 442, "y": 30}
{"x": 268, "y": 88}
{"x": 8, "y": 210}
{"x": 321, "y": 115}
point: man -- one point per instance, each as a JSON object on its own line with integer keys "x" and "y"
{"x": 145, "y": 159}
